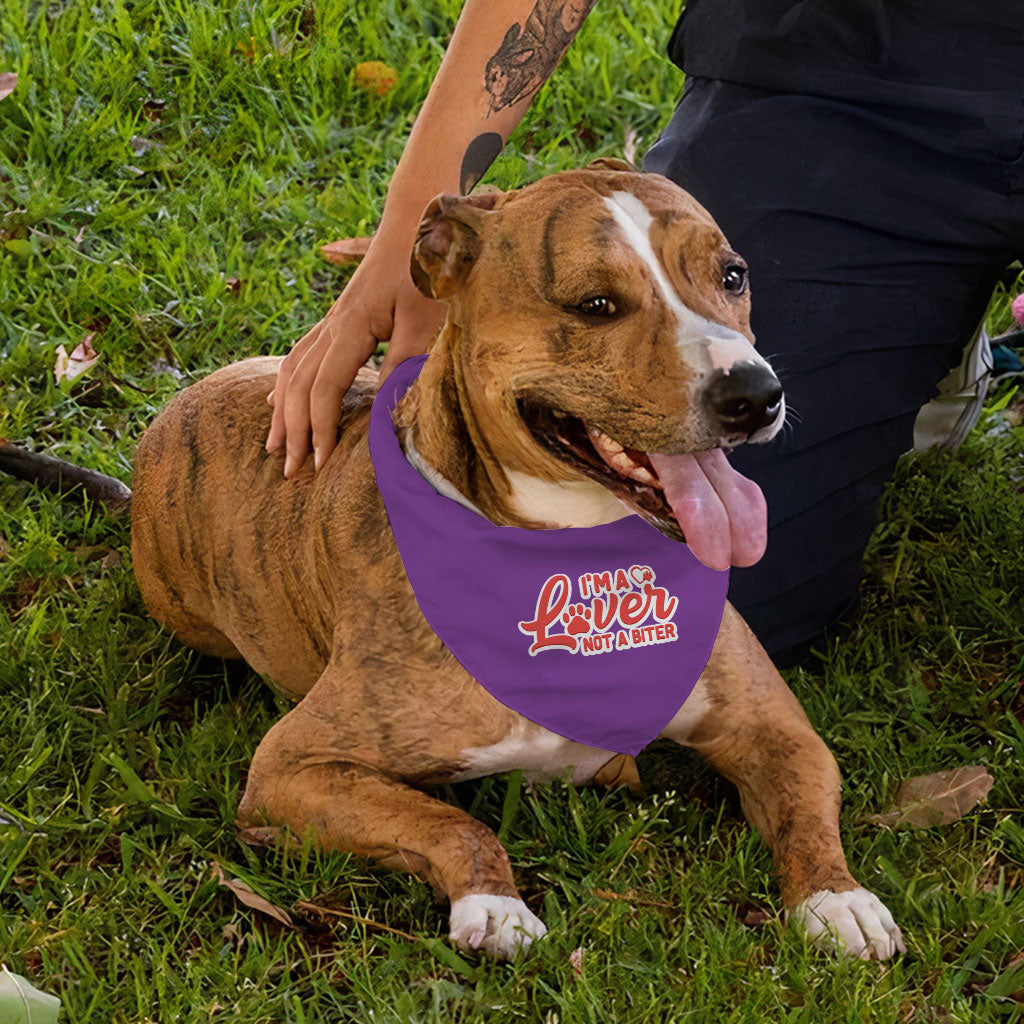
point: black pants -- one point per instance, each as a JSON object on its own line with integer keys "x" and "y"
{"x": 874, "y": 237}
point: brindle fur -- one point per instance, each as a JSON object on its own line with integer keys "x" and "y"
{"x": 302, "y": 577}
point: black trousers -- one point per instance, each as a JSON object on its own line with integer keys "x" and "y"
{"x": 874, "y": 236}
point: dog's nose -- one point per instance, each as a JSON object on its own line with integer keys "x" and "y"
{"x": 745, "y": 399}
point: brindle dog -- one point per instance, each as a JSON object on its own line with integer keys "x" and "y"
{"x": 590, "y": 306}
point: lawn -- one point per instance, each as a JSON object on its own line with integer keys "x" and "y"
{"x": 168, "y": 169}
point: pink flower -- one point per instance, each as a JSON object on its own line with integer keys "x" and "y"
{"x": 1018, "y": 308}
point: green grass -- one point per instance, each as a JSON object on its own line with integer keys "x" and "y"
{"x": 155, "y": 150}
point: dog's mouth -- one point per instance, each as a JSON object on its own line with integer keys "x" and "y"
{"x": 695, "y": 497}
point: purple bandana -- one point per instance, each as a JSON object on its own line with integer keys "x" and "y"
{"x": 598, "y": 634}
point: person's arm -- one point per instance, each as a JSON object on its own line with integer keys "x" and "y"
{"x": 500, "y": 54}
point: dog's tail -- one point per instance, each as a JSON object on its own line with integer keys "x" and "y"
{"x": 62, "y": 477}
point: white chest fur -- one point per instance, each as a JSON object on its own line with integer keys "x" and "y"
{"x": 541, "y": 754}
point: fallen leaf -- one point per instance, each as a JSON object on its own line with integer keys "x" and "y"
{"x": 936, "y": 799}
{"x": 244, "y": 894}
{"x": 755, "y": 917}
{"x": 374, "y": 76}
{"x": 163, "y": 366}
{"x": 8, "y": 81}
{"x": 112, "y": 560}
{"x": 576, "y": 961}
{"x": 152, "y": 108}
{"x": 259, "y": 835}
{"x": 139, "y": 145}
{"x": 346, "y": 250}
{"x": 83, "y": 357}
{"x": 86, "y": 553}
{"x": 22, "y": 1003}
{"x": 4, "y": 547}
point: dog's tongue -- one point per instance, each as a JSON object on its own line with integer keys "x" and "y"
{"x": 723, "y": 515}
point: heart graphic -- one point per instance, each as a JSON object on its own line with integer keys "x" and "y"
{"x": 641, "y": 574}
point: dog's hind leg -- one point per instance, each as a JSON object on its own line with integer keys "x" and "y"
{"x": 750, "y": 727}
{"x": 351, "y": 806}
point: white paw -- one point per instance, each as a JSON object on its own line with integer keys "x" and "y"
{"x": 499, "y": 925}
{"x": 855, "y": 922}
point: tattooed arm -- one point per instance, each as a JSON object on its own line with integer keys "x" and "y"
{"x": 500, "y": 54}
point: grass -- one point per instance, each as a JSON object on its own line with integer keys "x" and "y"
{"x": 167, "y": 169}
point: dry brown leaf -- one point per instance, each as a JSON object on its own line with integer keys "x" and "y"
{"x": 936, "y": 799}
{"x": 152, "y": 108}
{"x": 112, "y": 560}
{"x": 260, "y": 835}
{"x": 8, "y": 81}
{"x": 346, "y": 250}
{"x": 4, "y": 547}
{"x": 755, "y": 917}
{"x": 576, "y": 961}
{"x": 86, "y": 553}
{"x": 68, "y": 367}
{"x": 244, "y": 894}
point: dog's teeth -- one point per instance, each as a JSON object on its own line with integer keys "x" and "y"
{"x": 615, "y": 456}
{"x": 643, "y": 475}
{"x": 603, "y": 443}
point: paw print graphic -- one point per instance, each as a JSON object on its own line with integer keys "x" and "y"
{"x": 576, "y": 619}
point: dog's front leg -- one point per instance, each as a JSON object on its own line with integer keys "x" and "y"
{"x": 299, "y": 778}
{"x": 745, "y": 720}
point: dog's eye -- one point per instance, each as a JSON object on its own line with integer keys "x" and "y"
{"x": 734, "y": 278}
{"x": 597, "y": 305}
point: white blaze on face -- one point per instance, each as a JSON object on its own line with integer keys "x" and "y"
{"x": 722, "y": 514}
{"x": 703, "y": 344}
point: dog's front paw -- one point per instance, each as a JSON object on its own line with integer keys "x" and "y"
{"x": 499, "y": 925}
{"x": 855, "y": 922}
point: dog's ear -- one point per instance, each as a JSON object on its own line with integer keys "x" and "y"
{"x": 449, "y": 241}
{"x": 610, "y": 163}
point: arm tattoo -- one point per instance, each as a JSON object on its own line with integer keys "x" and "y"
{"x": 480, "y": 154}
{"x": 529, "y": 52}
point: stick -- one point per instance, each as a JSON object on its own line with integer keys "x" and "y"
{"x": 331, "y": 912}
{"x": 62, "y": 477}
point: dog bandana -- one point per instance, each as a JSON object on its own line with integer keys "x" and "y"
{"x": 598, "y": 634}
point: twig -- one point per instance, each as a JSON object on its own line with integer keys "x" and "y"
{"x": 348, "y": 915}
{"x": 62, "y": 477}
{"x": 607, "y": 894}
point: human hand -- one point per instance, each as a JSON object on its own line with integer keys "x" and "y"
{"x": 380, "y": 303}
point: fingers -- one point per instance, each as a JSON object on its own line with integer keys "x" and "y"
{"x": 328, "y": 366}
{"x": 315, "y": 375}
{"x": 334, "y": 377}
{"x": 276, "y": 435}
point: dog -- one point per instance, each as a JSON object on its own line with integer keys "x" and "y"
{"x": 598, "y": 335}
